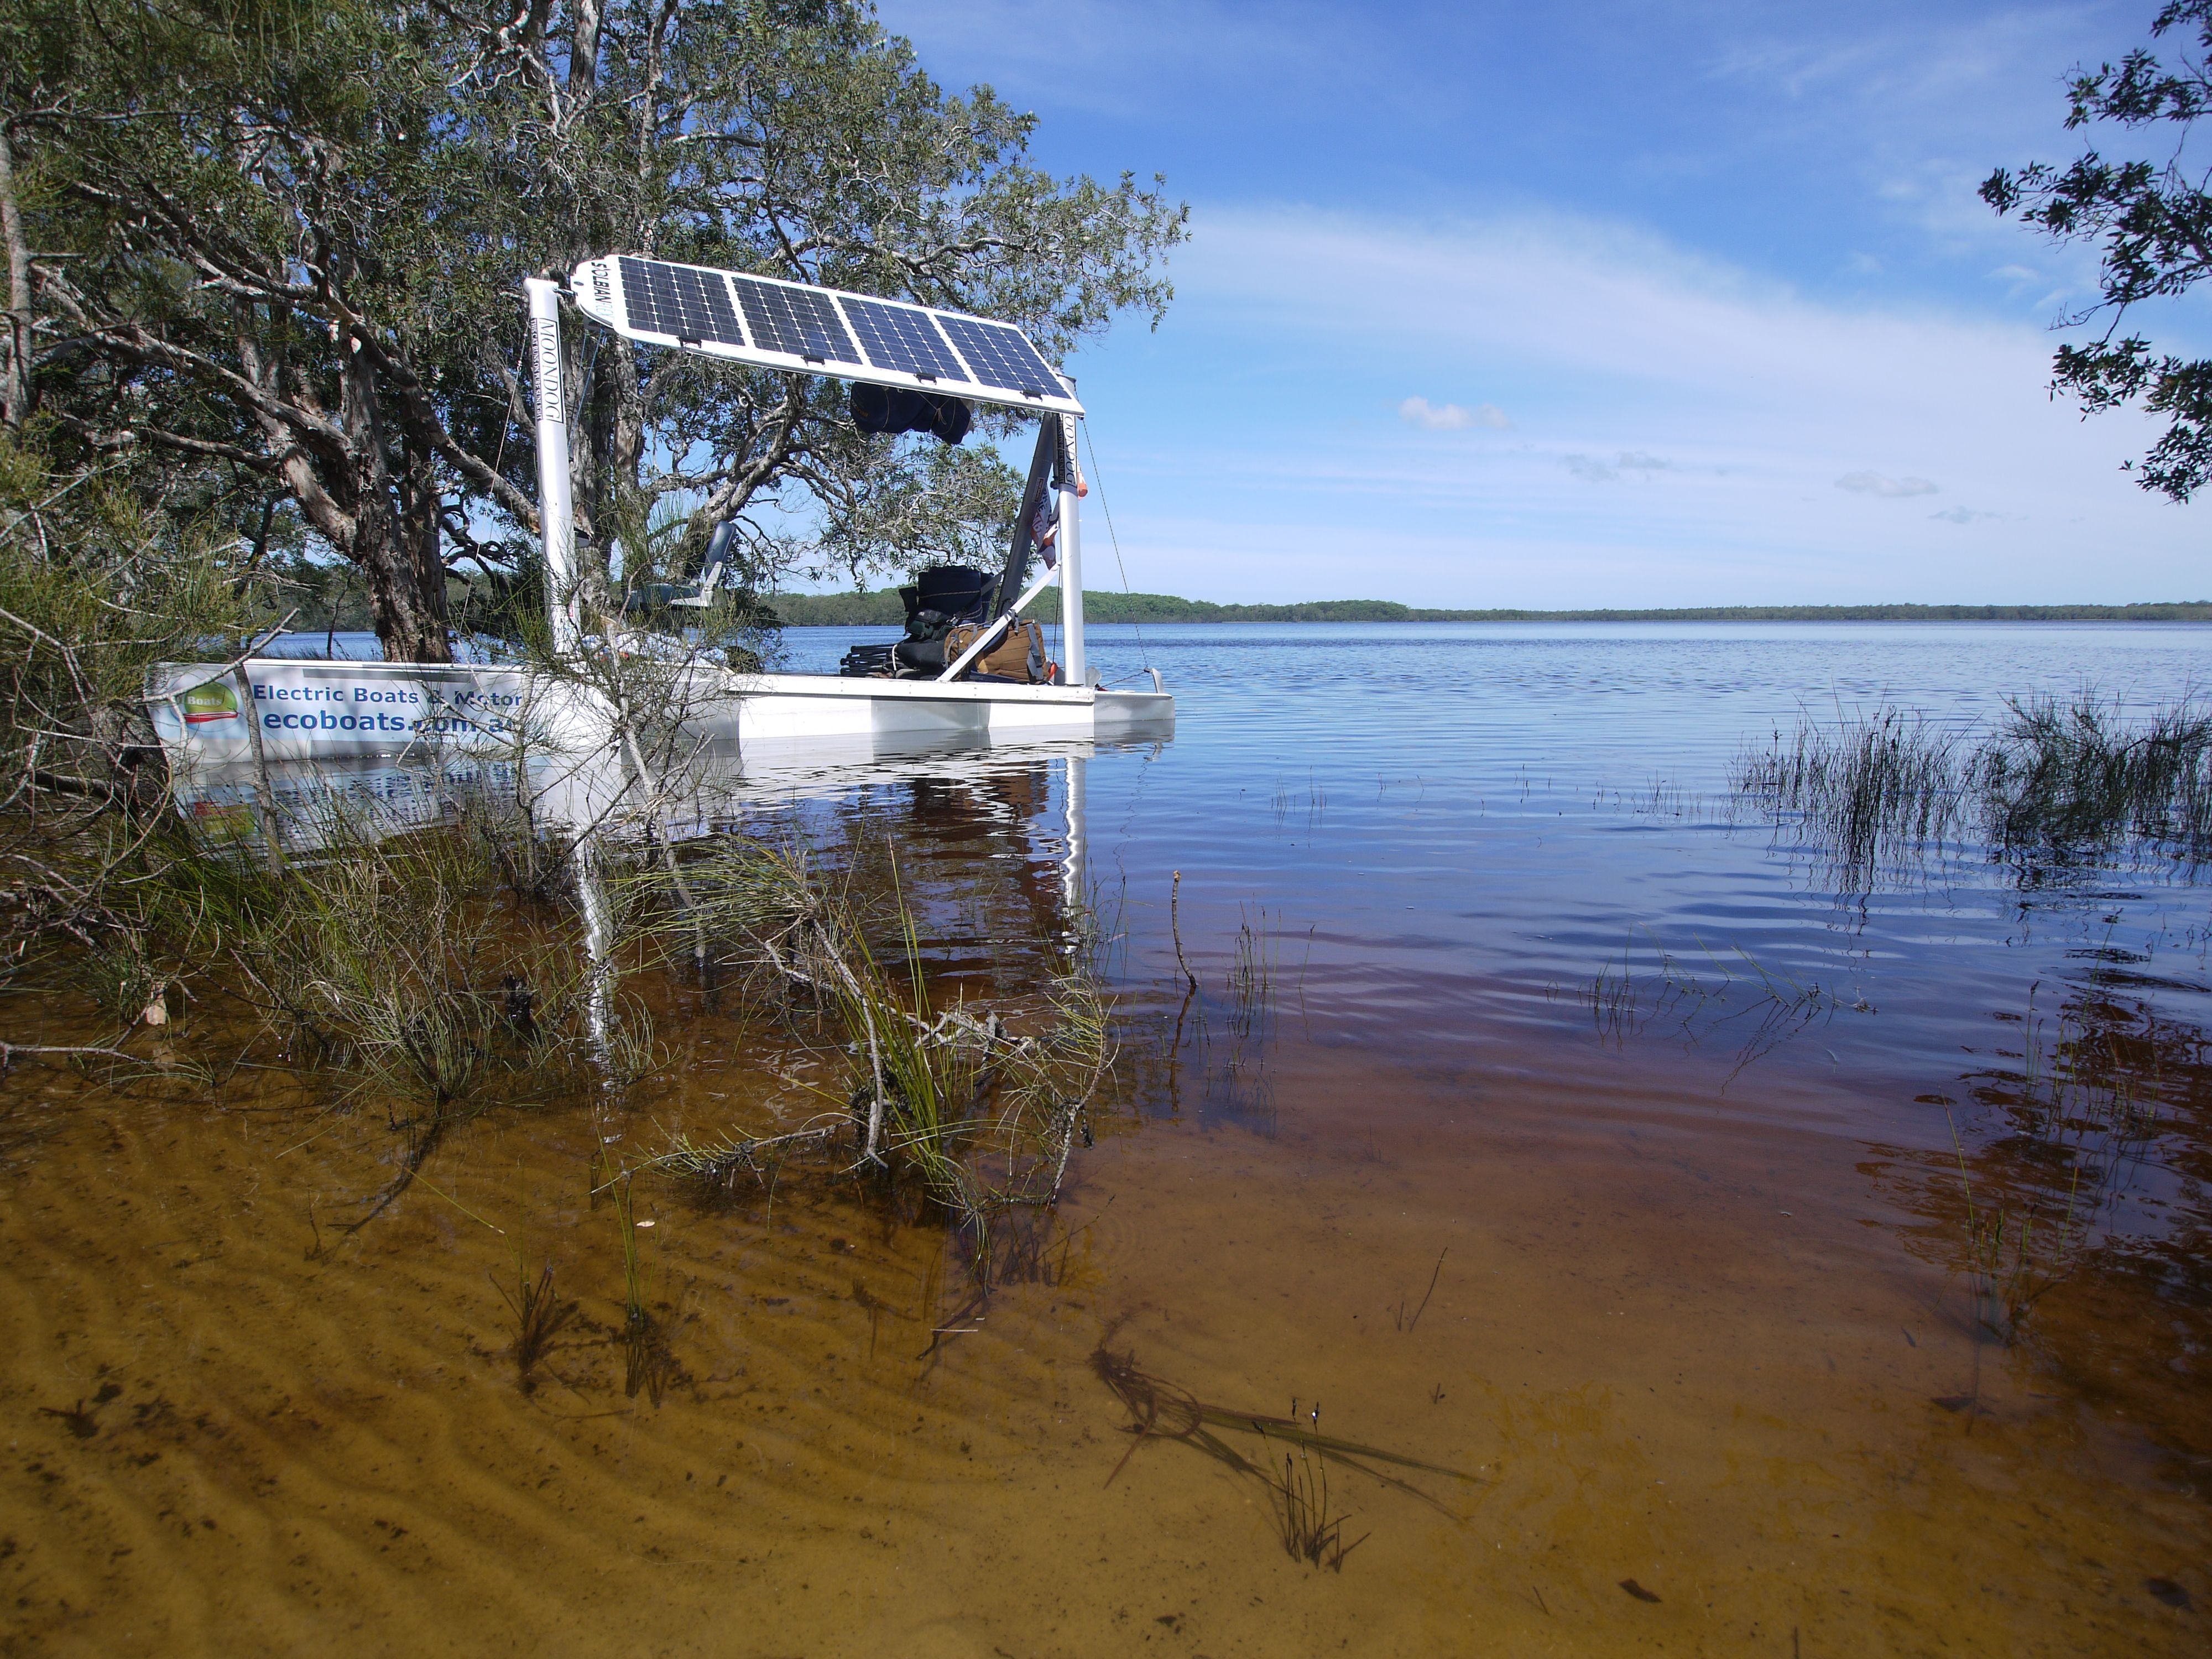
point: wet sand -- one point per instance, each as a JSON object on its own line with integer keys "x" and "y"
{"x": 1687, "y": 1357}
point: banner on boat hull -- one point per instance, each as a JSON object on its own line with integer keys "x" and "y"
{"x": 305, "y": 710}
{"x": 274, "y": 710}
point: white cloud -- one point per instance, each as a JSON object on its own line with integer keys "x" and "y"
{"x": 1591, "y": 469}
{"x": 1962, "y": 516}
{"x": 1876, "y": 483}
{"x": 1450, "y": 417}
{"x": 1597, "y": 336}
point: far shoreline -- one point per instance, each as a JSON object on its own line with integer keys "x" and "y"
{"x": 882, "y": 608}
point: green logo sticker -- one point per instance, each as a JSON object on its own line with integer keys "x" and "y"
{"x": 215, "y": 701}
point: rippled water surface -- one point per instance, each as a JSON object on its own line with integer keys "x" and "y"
{"x": 1492, "y": 1081}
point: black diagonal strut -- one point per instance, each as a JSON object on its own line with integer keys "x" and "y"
{"x": 1046, "y": 470}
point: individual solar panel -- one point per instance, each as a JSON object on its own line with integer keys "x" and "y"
{"x": 682, "y": 302}
{"x": 999, "y": 356}
{"x": 771, "y": 323}
{"x": 802, "y": 321}
{"x": 900, "y": 336}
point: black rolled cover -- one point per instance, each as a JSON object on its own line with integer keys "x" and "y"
{"x": 948, "y": 417}
{"x": 893, "y": 409}
{"x": 887, "y": 409}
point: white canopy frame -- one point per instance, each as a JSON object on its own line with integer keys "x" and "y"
{"x": 597, "y": 293}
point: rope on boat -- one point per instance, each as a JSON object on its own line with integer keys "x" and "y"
{"x": 1143, "y": 655}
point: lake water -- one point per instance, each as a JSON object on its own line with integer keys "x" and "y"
{"x": 1539, "y": 1109}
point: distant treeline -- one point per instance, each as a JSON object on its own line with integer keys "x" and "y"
{"x": 334, "y": 600}
{"x": 882, "y": 608}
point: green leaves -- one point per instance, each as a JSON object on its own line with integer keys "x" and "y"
{"x": 2154, "y": 225}
{"x": 277, "y": 245}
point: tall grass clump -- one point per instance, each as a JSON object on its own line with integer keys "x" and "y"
{"x": 981, "y": 1107}
{"x": 394, "y": 970}
{"x": 1870, "y": 784}
{"x": 2077, "y": 776}
{"x": 541, "y": 1314}
{"x": 2055, "y": 779}
{"x": 397, "y": 959}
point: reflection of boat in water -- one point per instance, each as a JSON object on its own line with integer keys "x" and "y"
{"x": 962, "y": 683}
{"x": 305, "y": 806}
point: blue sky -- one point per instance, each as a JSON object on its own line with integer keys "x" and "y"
{"x": 1652, "y": 304}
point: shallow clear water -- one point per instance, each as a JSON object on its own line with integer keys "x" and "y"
{"x": 1541, "y": 1112}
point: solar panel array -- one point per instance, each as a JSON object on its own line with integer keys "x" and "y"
{"x": 679, "y": 300}
{"x": 898, "y": 337}
{"x": 801, "y": 322}
{"x": 781, "y": 325}
{"x": 999, "y": 356}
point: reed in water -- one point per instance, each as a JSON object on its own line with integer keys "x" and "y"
{"x": 2056, "y": 778}
{"x": 983, "y": 1108}
{"x": 1312, "y": 1529}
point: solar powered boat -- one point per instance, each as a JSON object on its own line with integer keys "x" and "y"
{"x": 912, "y": 362}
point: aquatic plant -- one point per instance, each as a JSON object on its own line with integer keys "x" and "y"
{"x": 1252, "y": 978}
{"x": 983, "y": 1108}
{"x": 541, "y": 1314}
{"x": 717, "y": 1164}
{"x": 1403, "y": 1320}
{"x": 389, "y": 951}
{"x": 1311, "y": 1529}
{"x": 1871, "y": 784}
{"x": 649, "y": 1364}
{"x": 2057, "y": 778}
{"x": 1734, "y": 997}
{"x": 2077, "y": 776}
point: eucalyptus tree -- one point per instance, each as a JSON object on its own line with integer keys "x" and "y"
{"x": 793, "y": 140}
{"x": 284, "y": 237}
{"x": 2154, "y": 221}
{"x": 235, "y": 230}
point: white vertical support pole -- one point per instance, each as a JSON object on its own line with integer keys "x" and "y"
{"x": 556, "y": 507}
{"x": 1074, "y": 870}
{"x": 1075, "y": 669}
{"x": 598, "y": 968}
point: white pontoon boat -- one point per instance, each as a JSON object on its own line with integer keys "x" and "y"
{"x": 277, "y": 709}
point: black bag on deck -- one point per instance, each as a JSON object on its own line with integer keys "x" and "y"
{"x": 867, "y": 662}
{"x": 940, "y": 599}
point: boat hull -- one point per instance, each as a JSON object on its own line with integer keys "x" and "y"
{"x": 269, "y": 709}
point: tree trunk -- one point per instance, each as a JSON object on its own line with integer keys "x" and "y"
{"x": 410, "y": 611}
{"x": 422, "y": 553}
{"x": 15, "y": 338}
{"x": 584, "y": 53}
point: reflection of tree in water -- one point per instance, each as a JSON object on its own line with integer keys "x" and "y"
{"x": 2076, "y": 1203}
